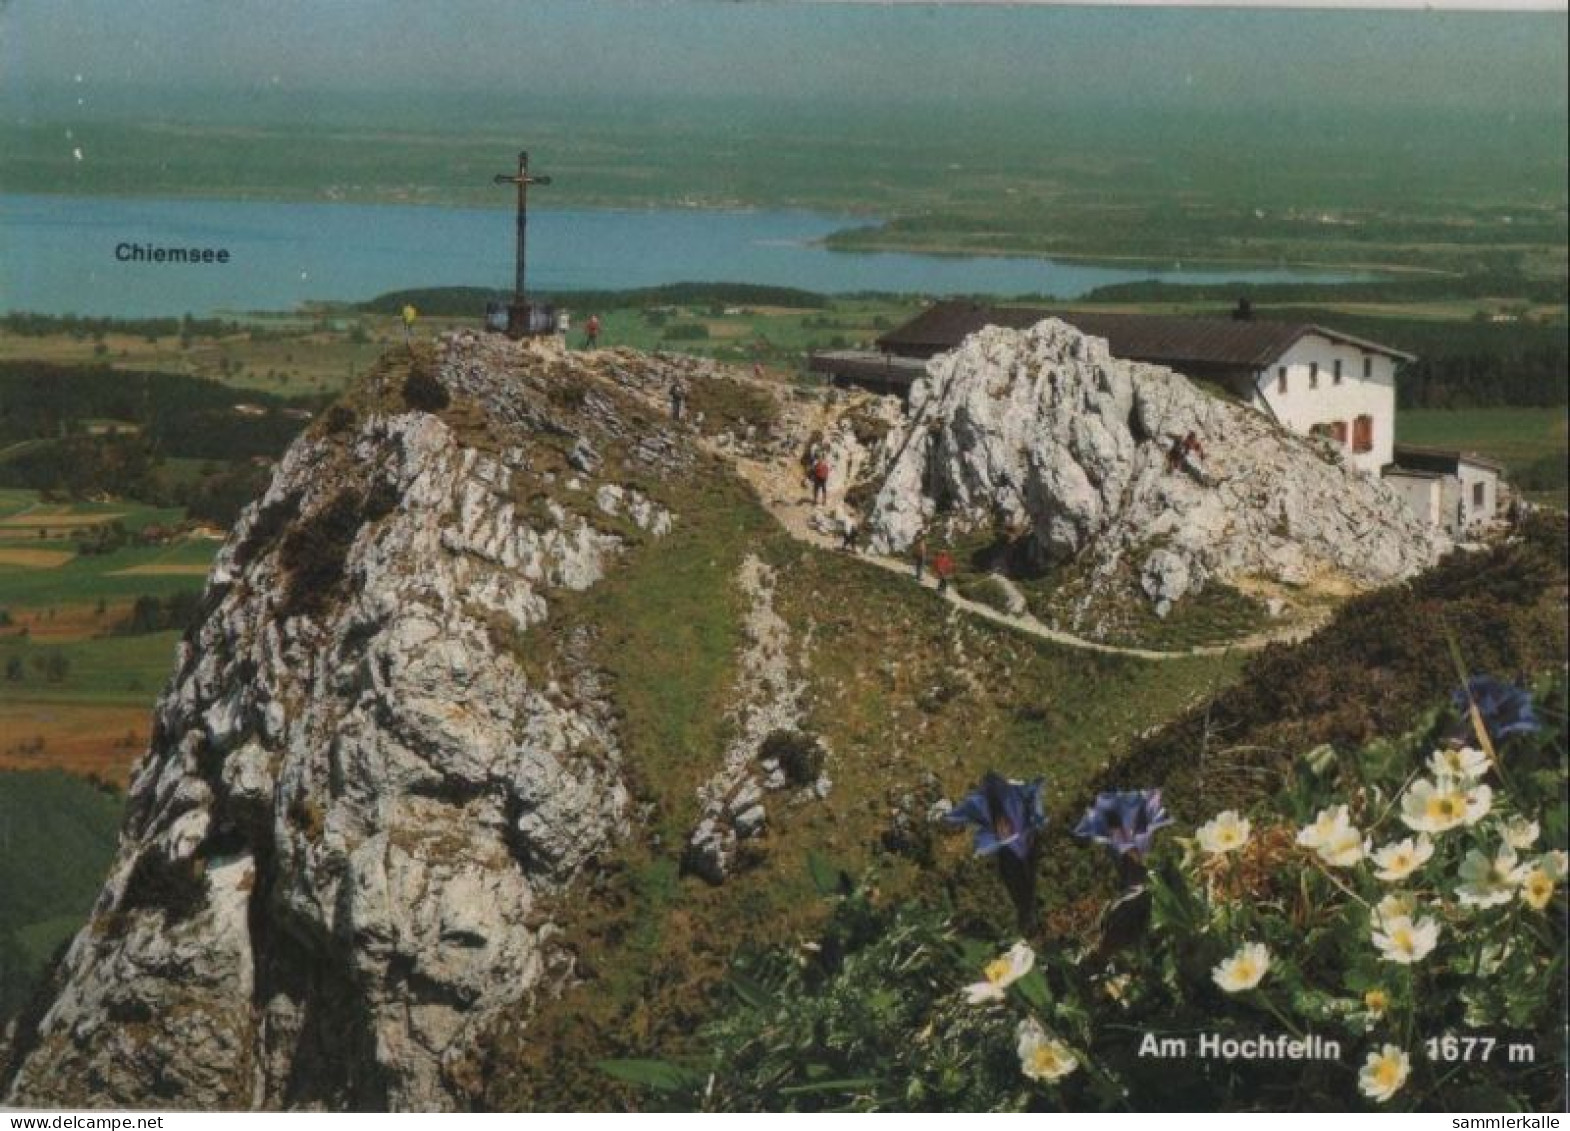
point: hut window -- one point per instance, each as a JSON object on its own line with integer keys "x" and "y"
{"x": 1363, "y": 434}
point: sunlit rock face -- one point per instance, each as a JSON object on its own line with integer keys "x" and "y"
{"x": 356, "y": 792}
{"x": 1044, "y": 434}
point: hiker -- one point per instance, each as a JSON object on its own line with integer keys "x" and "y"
{"x": 847, "y": 531}
{"x": 918, "y": 551}
{"x": 591, "y": 332}
{"x": 1182, "y": 448}
{"x": 943, "y": 567}
{"x": 820, "y": 481}
{"x": 811, "y": 452}
{"x": 678, "y": 399}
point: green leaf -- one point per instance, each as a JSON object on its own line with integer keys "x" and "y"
{"x": 1033, "y": 988}
{"x": 976, "y": 952}
{"x": 752, "y": 992}
{"x": 849, "y": 1084}
{"x": 1173, "y": 904}
{"x": 659, "y": 1075}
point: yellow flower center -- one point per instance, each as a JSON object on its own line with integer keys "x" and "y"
{"x": 1539, "y": 889}
{"x": 997, "y": 970}
{"x": 1447, "y": 807}
{"x": 1377, "y": 1001}
{"x": 1401, "y": 938}
{"x": 1387, "y": 1073}
{"x": 1245, "y": 970}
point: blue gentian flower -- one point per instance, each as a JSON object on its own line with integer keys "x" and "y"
{"x": 1006, "y": 814}
{"x": 1505, "y": 708}
{"x": 1124, "y": 820}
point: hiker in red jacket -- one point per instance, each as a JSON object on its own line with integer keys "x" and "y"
{"x": 943, "y": 567}
{"x": 591, "y": 332}
{"x": 820, "y": 481}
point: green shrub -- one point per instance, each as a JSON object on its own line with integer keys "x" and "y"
{"x": 988, "y": 591}
{"x": 315, "y": 552}
{"x": 340, "y": 418}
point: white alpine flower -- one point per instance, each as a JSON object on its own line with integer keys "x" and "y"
{"x": 1537, "y": 888}
{"x": 1344, "y": 848}
{"x": 1463, "y": 763}
{"x": 1326, "y": 825}
{"x": 1223, "y": 833}
{"x": 1244, "y": 970}
{"x": 1398, "y": 861}
{"x": 1489, "y": 881}
{"x": 1444, "y": 804}
{"x": 1520, "y": 833}
{"x": 1001, "y": 973}
{"x": 1401, "y": 940}
{"x": 1383, "y": 1073}
{"x": 1043, "y": 1057}
{"x": 1396, "y": 905}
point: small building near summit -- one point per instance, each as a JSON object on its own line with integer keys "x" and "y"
{"x": 1456, "y": 491}
{"x": 1312, "y": 379}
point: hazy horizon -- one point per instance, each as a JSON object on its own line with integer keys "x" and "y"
{"x": 108, "y": 59}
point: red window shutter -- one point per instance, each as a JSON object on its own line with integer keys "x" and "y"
{"x": 1363, "y": 434}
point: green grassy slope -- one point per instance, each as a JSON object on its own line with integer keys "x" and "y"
{"x": 57, "y": 836}
{"x": 911, "y": 702}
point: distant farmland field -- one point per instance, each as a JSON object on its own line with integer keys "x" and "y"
{"x": 1531, "y": 442}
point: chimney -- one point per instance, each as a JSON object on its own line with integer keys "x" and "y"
{"x": 1244, "y": 311}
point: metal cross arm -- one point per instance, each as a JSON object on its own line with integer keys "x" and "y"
{"x": 523, "y": 180}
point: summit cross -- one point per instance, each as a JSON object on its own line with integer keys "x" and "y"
{"x": 523, "y": 180}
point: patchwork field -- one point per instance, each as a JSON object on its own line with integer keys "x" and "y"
{"x": 99, "y": 743}
{"x": 76, "y": 688}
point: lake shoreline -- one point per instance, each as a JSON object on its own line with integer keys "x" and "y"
{"x": 65, "y": 255}
{"x": 866, "y": 233}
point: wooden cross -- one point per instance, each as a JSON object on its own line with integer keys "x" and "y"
{"x": 523, "y": 181}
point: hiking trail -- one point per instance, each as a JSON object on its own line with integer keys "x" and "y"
{"x": 777, "y": 478}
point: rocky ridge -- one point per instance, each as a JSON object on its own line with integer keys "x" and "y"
{"x": 358, "y": 792}
{"x": 1042, "y": 435}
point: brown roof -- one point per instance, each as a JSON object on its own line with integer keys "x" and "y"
{"x": 1159, "y": 338}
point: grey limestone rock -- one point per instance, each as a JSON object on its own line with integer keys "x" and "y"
{"x": 1046, "y": 435}
{"x": 354, "y": 797}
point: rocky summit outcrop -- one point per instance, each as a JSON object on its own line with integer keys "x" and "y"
{"x": 1042, "y": 434}
{"x": 362, "y": 786}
